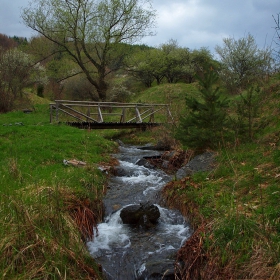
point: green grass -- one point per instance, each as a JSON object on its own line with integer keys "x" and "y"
{"x": 41, "y": 199}
{"x": 239, "y": 201}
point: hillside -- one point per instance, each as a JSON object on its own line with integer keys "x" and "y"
{"x": 236, "y": 207}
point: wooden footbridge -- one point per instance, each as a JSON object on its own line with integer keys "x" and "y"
{"x": 109, "y": 115}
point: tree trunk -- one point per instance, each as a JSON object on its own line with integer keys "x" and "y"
{"x": 102, "y": 89}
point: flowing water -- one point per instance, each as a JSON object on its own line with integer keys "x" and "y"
{"x": 128, "y": 253}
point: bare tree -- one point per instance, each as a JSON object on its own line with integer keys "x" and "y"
{"x": 91, "y": 31}
{"x": 277, "y": 29}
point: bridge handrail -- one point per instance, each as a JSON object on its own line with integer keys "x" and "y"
{"x": 68, "y": 107}
{"x": 101, "y": 103}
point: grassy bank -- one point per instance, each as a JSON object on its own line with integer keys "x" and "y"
{"x": 235, "y": 208}
{"x": 48, "y": 208}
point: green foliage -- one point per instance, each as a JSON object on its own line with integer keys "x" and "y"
{"x": 17, "y": 72}
{"x": 146, "y": 65}
{"x": 14, "y": 76}
{"x": 92, "y": 42}
{"x": 40, "y": 90}
{"x": 177, "y": 62}
{"x": 248, "y": 107}
{"x": 169, "y": 63}
{"x": 206, "y": 116}
{"x": 119, "y": 93}
{"x": 242, "y": 63}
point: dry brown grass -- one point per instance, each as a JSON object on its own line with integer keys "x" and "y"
{"x": 260, "y": 266}
{"x": 43, "y": 239}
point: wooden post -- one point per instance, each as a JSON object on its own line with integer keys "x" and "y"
{"x": 56, "y": 110}
{"x": 51, "y": 113}
{"x": 100, "y": 118}
{"x": 123, "y": 116}
{"x": 152, "y": 117}
{"x": 138, "y": 115}
{"x": 169, "y": 114}
{"x": 88, "y": 113}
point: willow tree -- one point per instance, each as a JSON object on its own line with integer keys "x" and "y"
{"x": 92, "y": 31}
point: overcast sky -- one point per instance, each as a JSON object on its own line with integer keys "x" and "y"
{"x": 193, "y": 23}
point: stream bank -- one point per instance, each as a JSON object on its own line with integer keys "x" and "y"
{"x": 127, "y": 252}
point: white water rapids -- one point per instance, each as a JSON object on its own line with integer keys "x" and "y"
{"x": 128, "y": 253}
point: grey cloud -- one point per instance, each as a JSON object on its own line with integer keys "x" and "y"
{"x": 193, "y": 23}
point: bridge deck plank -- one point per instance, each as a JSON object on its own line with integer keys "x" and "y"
{"x": 115, "y": 125}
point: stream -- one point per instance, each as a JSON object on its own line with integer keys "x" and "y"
{"x": 129, "y": 253}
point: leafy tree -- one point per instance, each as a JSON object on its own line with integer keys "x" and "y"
{"x": 158, "y": 62}
{"x": 200, "y": 59}
{"x": 20, "y": 41}
{"x": 14, "y": 74}
{"x": 177, "y": 61}
{"x": 91, "y": 31}
{"x": 206, "y": 116}
{"x": 139, "y": 66}
{"x": 17, "y": 70}
{"x": 6, "y": 42}
{"x": 168, "y": 62}
{"x": 147, "y": 65}
{"x": 242, "y": 63}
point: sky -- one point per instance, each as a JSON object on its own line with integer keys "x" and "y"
{"x": 192, "y": 23}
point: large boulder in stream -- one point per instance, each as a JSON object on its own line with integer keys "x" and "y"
{"x": 144, "y": 215}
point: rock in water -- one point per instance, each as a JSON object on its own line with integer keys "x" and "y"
{"x": 144, "y": 215}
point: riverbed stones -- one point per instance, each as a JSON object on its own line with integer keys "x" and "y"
{"x": 158, "y": 270}
{"x": 200, "y": 163}
{"x": 144, "y": 162}
{"x": 160, "y": 146}
{"x": 144, "y": 215}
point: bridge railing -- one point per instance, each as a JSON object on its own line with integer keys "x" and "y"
{"x": 102, "y": 112}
